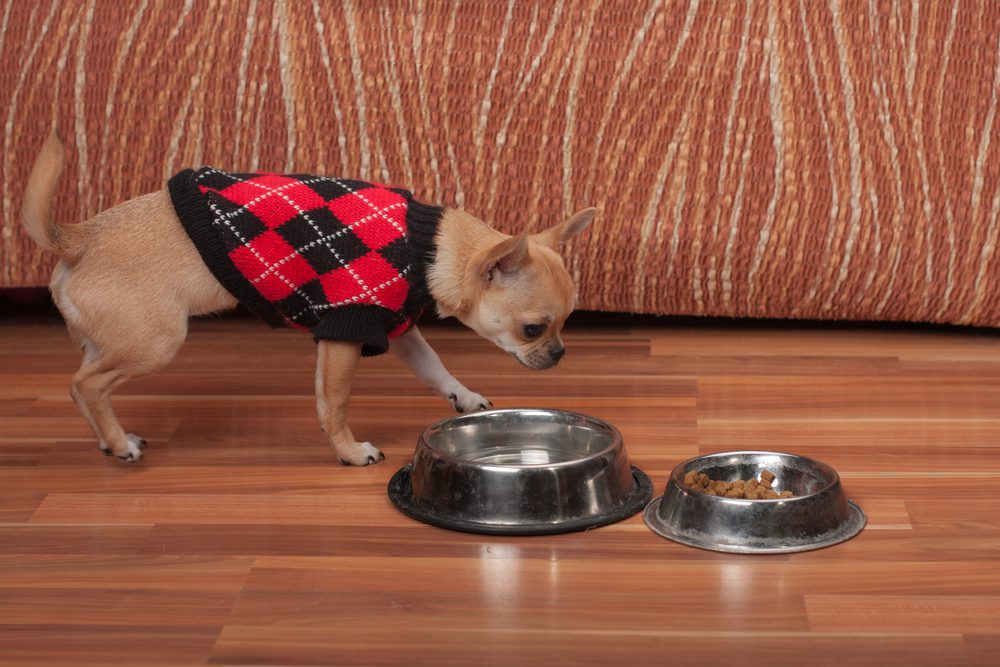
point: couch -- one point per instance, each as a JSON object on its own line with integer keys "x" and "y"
{"x": 833, "y": 160}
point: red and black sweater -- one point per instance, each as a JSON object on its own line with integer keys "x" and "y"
{"x": 345, "y": 259}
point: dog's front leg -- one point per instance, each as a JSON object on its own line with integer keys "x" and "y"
{"x": 335, "y": 366}
{"x": 420, "y": 357}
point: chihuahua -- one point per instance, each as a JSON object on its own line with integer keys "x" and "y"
{"x": 130, "y": 278}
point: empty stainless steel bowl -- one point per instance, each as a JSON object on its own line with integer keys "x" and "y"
{"x": 520, "y": 472}
{"x": 819, "y": 514}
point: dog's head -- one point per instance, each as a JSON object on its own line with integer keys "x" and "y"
{"x": 518, "y": 293}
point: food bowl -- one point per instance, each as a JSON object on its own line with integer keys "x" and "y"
{"x": 818, "y": 515}
{"x": 520, "y": 472}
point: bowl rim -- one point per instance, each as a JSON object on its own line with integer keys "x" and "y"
{"x": 616, "y": 440}
{"x": 676, "y": 476}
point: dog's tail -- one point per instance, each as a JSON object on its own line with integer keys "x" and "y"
{"x": 36, "y": 209}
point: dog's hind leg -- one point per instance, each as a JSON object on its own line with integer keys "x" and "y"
{"x": 91, "y": 390}
{"x": 118, "y": 344}
{"x": 104, "y": 370}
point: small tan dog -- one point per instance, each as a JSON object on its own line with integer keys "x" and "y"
{"x": 129, "y": 308}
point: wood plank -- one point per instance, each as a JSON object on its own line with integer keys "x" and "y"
{"x": 442, "y": 646}
{"x": 150, "y": 572}
{"x": 33, "y": 540}
{"x": 16, "y": 506}
{"x": 746, "y": 580}
{"x": 120, "y": 605}
{"x": 15, "y": 407}
{"x": 99, "y": 645}
{"x": 302, "y": 510}
{"x": 862, "y": 397}
{"x": 22, "y": 454}
{"x": 976, "y": 614}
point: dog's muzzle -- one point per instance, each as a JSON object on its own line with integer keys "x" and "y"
{"x": 539, "y": 360}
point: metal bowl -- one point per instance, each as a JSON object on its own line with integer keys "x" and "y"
{"x": 818, "y": 515}
{"x": 520, "y": 472}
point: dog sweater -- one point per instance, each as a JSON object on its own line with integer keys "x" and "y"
{"x": 342, "y": 258}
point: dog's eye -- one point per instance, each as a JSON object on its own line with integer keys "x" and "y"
{"x": 533, "y": 330}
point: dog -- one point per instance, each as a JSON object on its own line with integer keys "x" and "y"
{"x": 128, "y": 307}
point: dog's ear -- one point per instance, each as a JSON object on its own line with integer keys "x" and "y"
{"x": 555, "y": 236}
{"x": 505, "y": 257}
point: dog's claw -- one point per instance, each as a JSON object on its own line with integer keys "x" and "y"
{"x": 139, "y": 442}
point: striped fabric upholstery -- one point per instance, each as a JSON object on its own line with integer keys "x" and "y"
{"x": 830, "y": 159}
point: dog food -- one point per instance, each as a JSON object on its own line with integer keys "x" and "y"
{"x": 751, "y": 489}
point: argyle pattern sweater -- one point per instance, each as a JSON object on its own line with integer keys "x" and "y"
{"x": 344, "y": 259}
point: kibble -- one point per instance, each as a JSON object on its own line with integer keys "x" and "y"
{"x": 750, "y": 489}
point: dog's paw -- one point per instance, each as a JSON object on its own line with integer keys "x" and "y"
{"x": 359, "y": 454}
{"x": 463, "y": 401}
{"x": 132, "y": 452}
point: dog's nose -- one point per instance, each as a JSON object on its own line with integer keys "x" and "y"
{"x": 557, "y": 353}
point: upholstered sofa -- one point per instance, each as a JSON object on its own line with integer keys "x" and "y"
{"x": 782, "y": 159}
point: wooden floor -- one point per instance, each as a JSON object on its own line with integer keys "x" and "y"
{"x": 239, "y": 540}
